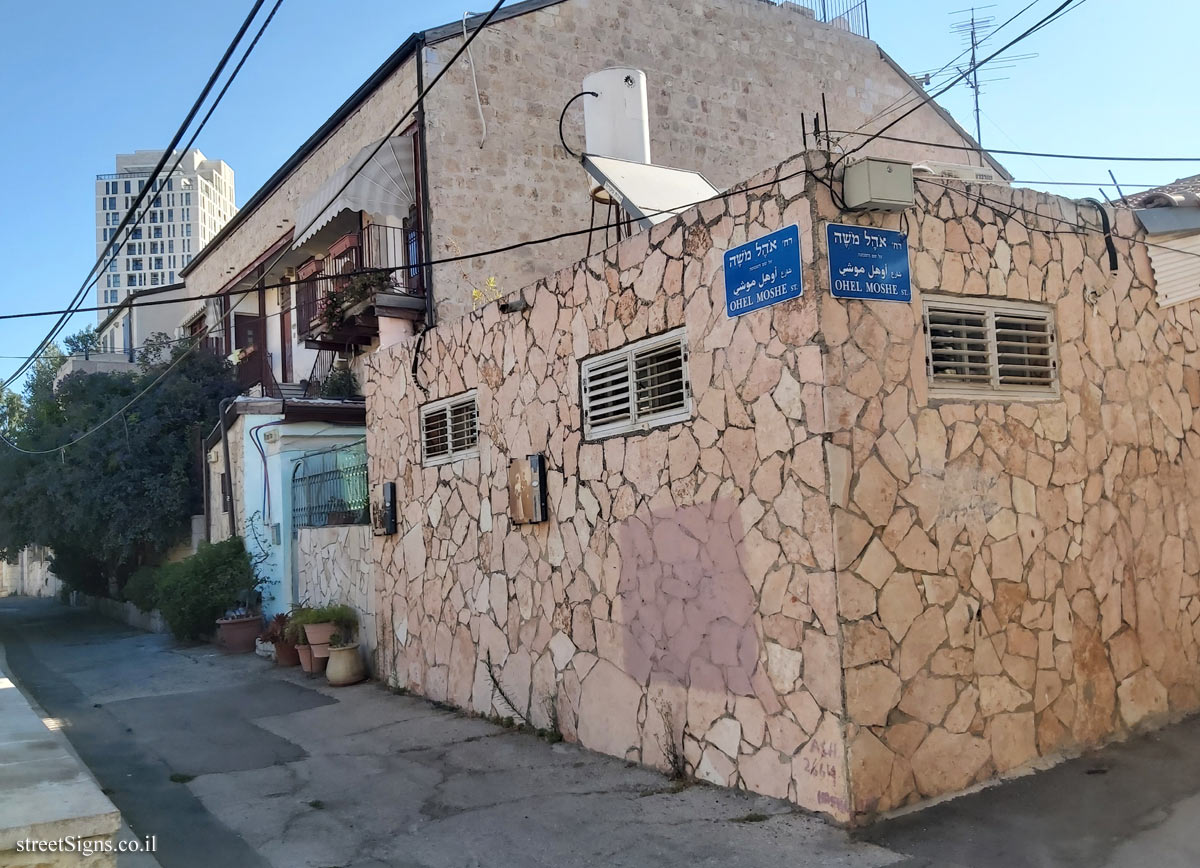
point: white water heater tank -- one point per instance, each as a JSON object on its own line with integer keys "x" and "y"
{"x": 616, "y": 122}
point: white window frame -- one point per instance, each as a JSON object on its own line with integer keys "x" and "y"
{"x": 635, "y": 423}
{"x": 448, "y": 405}
{"x": 994, "y": 390}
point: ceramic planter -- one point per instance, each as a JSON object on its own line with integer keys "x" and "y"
{"x": 308, "y": 663}
{"x": 318, "y": 637}
{"x": 237, "y": 635}
{"x": 286, "y": 654}
{"x": 345, "y": 666}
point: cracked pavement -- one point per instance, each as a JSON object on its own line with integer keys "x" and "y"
{"x": 286, "y": 771}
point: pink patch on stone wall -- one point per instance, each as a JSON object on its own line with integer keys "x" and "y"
{"x": 684, "y": 609}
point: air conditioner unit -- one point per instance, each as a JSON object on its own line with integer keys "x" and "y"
{"x": 958, "y": 172}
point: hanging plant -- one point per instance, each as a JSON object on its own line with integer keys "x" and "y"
{"x": 331, "y": 308}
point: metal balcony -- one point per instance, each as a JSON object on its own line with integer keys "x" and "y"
{"x": 338, "y": 297}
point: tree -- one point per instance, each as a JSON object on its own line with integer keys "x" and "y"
{"x": 124, "y": 495}
{"x": 82, "y": 342}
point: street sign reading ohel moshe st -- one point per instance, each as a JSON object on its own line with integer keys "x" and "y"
{"x": 763, "y": 272}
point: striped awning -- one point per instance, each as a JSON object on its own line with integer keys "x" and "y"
{"x": 380, "y": 180}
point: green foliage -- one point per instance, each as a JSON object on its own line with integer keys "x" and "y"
{"x": 334, "y": 304}
{"x": 84, "y": 341}
{"x": 343, "y": 617}
{"x": 340, "y": 383}
{"x": 294, "y": 632}
{"x": 141, "y": 588}
{"x": 194, "y": 593}
{"x": 125, "y": 495}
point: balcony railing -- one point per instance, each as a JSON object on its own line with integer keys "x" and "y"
{"x": 851, "y": 15}
{"x": 330, "y": 488}
{"x": 252, "y": 370}
{"x": 332, "y": 296}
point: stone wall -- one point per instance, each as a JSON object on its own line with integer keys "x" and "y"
{"x": 335, "y": 566}
{"x": 729, "y": 84}
{"x": 844, "y": 591}
{"x": 685, "y": 576}
{"x": 29, "y": 575}
{"x": 1017, "y": 579}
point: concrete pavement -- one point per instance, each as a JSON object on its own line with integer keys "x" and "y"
{"x": 274, "y": 769}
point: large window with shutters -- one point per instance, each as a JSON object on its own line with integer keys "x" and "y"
{"x": 642, "y": 385}
{"x": 449, "y": 429}
{"x": 990, "y": 349}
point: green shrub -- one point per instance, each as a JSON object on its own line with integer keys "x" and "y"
{"x": 297, "y": 618}
{"x": 194, "y": 593}
{"x": 340, "y": 615}
{"x": 141, "y": 588}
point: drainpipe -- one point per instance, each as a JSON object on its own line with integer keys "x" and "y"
{"x": 207, "y": 491}
{"x": 221, "y": 408}
{"x": 426, "y": 215}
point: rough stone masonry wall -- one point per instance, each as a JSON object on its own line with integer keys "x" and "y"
{"x": 1015, "y": 579}
{"x": 335, "y": 566}
{"x": 688, "y": 570}
{"x": 728, "y": 82}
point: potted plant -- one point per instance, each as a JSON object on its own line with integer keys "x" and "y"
{"x": 295, "y": 633}
{"x": 323, "y": 622}
{"x": 239, "y": 628}
{"x": 276, "y": 633}
{"x": 345, "y": 663}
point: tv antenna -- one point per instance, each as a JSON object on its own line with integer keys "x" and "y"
{"x": 974, "y": 30}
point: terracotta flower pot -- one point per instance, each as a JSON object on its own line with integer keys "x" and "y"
{"x": 237, "y": 635}
{"x": 345, "y": 666}
{"x": 286, "y": 654}
{"x": 318, "y": 637}
{"x": 308, "y": 663}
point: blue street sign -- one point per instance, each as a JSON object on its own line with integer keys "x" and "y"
{"x": 763, "y": 272}
{"x": 868, "y": 263}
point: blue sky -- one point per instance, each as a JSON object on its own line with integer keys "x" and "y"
{"x": 87, "y": 80}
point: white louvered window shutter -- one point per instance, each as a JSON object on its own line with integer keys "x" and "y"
{"x": 449, "y": 429}
{"x": 990, "y": 349}
{"x": 640, "y": 386}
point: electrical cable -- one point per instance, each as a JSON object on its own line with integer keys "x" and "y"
{"x": 143, "y": 193}
{"x": 199, "y": 338}
{"x": 1046, "y": 154}
{"x": 475, "y": 82}
{"x": 907, "y": 99}
{"x": 183, "y": 153}
{"x": 563, "y": 116}
{"x": 997, "y": 204}
{"x": 1059, "y": 10}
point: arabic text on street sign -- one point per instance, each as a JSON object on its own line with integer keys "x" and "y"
{"x": 763, "y": 272}
{"x": 868, "y": 263}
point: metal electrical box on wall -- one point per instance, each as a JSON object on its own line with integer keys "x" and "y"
{"x": 878, "y": 185}
{"x": 527, "y": 489}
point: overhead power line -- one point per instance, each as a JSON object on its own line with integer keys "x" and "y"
{"x": 182, "y": 154}
{"x": 908, "y": 99}
{"x": 142, "y": 194}
{"x": 1058, "y": 10}
{"x": 203, "y": 335}
{"x": 1047, "y": 154}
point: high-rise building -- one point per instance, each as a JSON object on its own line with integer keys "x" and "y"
{"x": 183, "y": 213}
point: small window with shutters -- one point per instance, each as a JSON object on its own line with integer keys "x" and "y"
{"x": 642, "y": 385}
{"x": 449, "y": 429}
{"x": 986, "y": 349}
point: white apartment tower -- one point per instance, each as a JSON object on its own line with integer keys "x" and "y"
{"x": 183, "y": 213}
